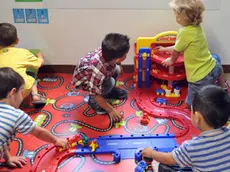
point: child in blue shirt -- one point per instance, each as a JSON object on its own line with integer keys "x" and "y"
{"x": 13, "y": 120}
{"x": 210, "y": 151}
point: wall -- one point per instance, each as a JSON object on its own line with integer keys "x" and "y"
{"x": 73, "y": 32}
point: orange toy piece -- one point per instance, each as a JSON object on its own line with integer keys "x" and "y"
{"x": 93, "y": 145}
{"x": 145, "y": 119}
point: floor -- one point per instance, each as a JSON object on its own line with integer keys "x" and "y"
{"x": 67, "y": 113}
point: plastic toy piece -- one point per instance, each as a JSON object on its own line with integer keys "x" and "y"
{"x": 144, "y": 56}
{"x": 120, "y": 124}
{"x": 148, "y": 68}
{"x": 140, "y": 70}
{"x": 84, "y": 142}
{"x": 120, "y": 146}
{"x": 141, "y": 166}
{"x": 161, "y": 101}
{"x": 168, "y": 37}
{"x": 177, "y": 91}
{"x": 146, "y": 101}
{"x": 93, "y": 145}
{"x": 145, "y": 119}
{"x": 160, "y": 91}
{"x": 148, "y": 162}
{"x": 72, "y": 142}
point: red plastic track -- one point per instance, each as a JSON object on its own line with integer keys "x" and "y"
{"x": 145, "y": 101}
{"x": 54, "y": 160}
{"x": 162, "y": 73}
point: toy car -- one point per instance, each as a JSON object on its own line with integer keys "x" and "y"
{"x": 160, "y": 91}
{"x": 161, "y": 101}
{"x": 141, "y": 166}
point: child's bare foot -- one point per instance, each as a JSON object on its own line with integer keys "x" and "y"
{"x": 38, "y": 99}
{"x": 16, "y": 161}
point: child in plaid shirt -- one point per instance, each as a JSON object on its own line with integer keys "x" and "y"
{"x": 98, "y": 71}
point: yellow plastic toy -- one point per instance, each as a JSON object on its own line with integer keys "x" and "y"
{"x": 168, "y": 37}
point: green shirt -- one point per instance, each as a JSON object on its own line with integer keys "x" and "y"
{"x": 198, "y": 60}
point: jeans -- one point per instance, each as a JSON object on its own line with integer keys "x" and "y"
{"x": 207, "y": 80}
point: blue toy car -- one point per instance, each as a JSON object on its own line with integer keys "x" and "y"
{"x": 161, "y": 101}
{"x": 141, "y": 166}
{"x": 160, "y": 91}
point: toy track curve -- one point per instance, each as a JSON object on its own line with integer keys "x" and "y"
{"x": 153, "y": 109}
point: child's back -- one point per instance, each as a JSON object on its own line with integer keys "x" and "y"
{"x": 197, "y": 57}
{"x": 20, "y": 59}
{"x": 208, "y": 152}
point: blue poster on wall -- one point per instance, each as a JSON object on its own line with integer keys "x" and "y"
{"x": 43, "y": 17}
{"x": 31, "y": 16}
{"x": 19, "y": 15}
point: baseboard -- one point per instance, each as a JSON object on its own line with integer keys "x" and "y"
{"x": 70, "y": 68}
{"x": 226, "y": 68}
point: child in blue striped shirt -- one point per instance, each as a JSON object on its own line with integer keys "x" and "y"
{"x": 210, "y": 151}
{"x": 13, "y": 120}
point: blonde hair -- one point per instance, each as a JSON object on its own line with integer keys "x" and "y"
{"x": 190, "y": 10}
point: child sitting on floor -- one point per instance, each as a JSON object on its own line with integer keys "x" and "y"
{"x": 13, "y": 120}
{"x": 209, "y": 151}
{"x": 20, "y": 60}
{"x": 201, "y": 68}
{"x": 98, "y": 71}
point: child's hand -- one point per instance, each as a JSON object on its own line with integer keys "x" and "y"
{"x": 62, "y": 143}
{"x": 159, "y": 48}
{"x": 116, "y": 116}
{"x": 16, "y": 161}
{"x": 147, "y": 152}
{"x": 167, "y": 62}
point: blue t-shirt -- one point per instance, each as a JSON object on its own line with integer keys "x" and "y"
{"x": 210, "y": 152}
{"x": 12, "y": 121}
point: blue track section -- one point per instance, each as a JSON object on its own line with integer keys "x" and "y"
{"x": 130, "y": 146}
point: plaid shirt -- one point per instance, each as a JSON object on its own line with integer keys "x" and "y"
{"x": 91, "y": 71}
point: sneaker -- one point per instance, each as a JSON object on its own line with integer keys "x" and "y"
{"x": 96, "y": 107}
{"x": 117, "y": 93}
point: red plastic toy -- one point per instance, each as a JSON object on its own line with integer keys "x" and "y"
{"x": 72, "y": 142}
{"x": 145, "y": 119}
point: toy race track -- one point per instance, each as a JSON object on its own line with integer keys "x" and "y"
{"x": 121, "y": 147}
{"x": 66, "y": 114}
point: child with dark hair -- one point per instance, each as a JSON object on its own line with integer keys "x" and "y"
{"x": 209, "y": 151}
{"x": 13, "y": 120}
{"x": 98, "y": 71}
{"x": 20, "y": 60}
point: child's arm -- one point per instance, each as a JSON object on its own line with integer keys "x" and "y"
{"x": 46, "y": 136}
{"x": 105, "y": 105}
{"x": 171, "y": 60}
{"x": 25, "y": 125}
{"x": 41, "y": 57}
{"x": 160, "y": 48}
{"x": 164, "y": 158}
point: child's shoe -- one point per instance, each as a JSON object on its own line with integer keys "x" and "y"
{"x": 96, "y": 107}
{"x": 117, "y": 93}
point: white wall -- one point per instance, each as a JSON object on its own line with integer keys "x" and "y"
{"x": 72, "y": 33}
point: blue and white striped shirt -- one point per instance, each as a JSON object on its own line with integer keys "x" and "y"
{"x": 12, "y": 121}
{"x": 210, "y": 152}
